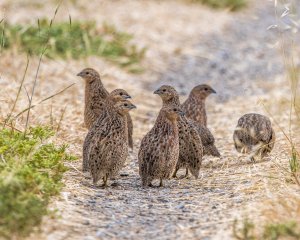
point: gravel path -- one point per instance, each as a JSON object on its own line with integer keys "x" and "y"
{"x": 237, "y": 61}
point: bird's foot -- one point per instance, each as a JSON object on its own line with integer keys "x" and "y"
{"x": 115, "y": 184}
{"x": 161, "y": 183}
{"x": 252, "y": 159}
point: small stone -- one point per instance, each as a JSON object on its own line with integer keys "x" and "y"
{"x": 86, "y": 222}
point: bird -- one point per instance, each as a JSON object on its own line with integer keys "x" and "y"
{"x": 194, "y": 106}
{"x": 95, "y": 93}
{"x": 108, "y": 147}
{"x": 170, "y": 96}
{"x": 190, "y": 143}
{"x": 106, "y": 108}
{"x": 254, "y": 135}
{"x": 159, "y": 150}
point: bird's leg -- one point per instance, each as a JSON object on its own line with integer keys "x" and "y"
{"x": 252, "y": 159}
{"x": 174, "y": 174}
{"x": 186, "y": 173}
{"x": 161, "y": 183}
{"x": 104, "y": 181}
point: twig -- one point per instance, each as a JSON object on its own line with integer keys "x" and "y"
{"x": 61, "y": 118}
{"x": 33, "y": 89}
{"x": 3, "y": 40}
{"x": 2, "y": 158}
{"x": 45, "y": 99}
{"x": 18, "y": 94}
{"x": 12, "y": 127}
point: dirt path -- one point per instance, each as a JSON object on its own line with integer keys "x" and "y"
{"x": 199, "y": 46}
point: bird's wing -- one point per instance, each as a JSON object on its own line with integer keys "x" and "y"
{"x": 130, "y": 130}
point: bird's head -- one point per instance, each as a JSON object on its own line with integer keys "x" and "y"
{"x": 89, "y": 74}
{"x": 173, "y": 112}
{"x": 203, "y": 91}
{"x": 124, "y": 107}
{"x": 119, "y": 95}
{"x": 166, "y": 92}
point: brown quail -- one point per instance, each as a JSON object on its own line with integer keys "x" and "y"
{"x": 190, "y": 144}
{"x": 107, "y": 107}
{"x": 194, "y": 106}
{"x": 95, "y": 93}
{"x": 170, "y": 96}
{"x": 108, "y": 148}
{"x": 254, "y": 135}
{"x": 159, "y": 149}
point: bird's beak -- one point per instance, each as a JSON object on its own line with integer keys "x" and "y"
{"x": 157, "y": 92}
{"x": 80, "y": 74}
{"x": 213, "y": 91}
{"x": 132, "y": 106}
{"x": 126, "y": 96}
{"x": 181, "y": 113}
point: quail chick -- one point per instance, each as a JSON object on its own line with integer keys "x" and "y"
{"x": 108, "y": 148}
{"x": 95, "y": 93}
{"x": 194, "y": 106}
{"x": 254, "y": 135}
{"x": 190, "y": 144}
{"x": 106, "y": 108}
{"x": 159, "y": 149}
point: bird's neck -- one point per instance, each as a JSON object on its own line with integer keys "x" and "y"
{"x": 165, "y": 125}
{"x": 92, "y": 88}
{"x": 172, "y": 101}
{"x": 197, "y": 98}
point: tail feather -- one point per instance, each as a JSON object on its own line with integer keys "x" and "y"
{"x": 211, "y": 150}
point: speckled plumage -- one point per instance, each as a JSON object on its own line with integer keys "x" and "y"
{"x": 107, "y": 108}
{"x": 95, "y": 93}
{"x": 108, "y": 147}
{"x": 190, "y": 144}
{"x": 254, "y": 134}
{"x": 159, "y": 149}
{"x": 194, "y": 106}
{"x": 208, "y": 141}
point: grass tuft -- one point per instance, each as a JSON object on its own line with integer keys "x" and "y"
{"x": 74, "y": 39}
{"x": 288, "y": 230}
{"x": 31, "y": 169}
{"x": 233, "y": 5}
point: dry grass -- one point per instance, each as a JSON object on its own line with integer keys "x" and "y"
{"x": 278, "y": 216}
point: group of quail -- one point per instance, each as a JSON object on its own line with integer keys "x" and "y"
{"x": 179, "y": 138}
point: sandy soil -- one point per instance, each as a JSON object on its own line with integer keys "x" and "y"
{"x": 187, "y": 44}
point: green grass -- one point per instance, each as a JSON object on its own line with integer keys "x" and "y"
{"x": 74, "y": 40}
{"x": 233, "y": 5}
{"x": 246, "y": 231}
{"x": 31, "y": 169}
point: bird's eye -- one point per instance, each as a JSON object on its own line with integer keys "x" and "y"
{"x": 174, "y": 109}
{"x": 164, "y": 90}
{"x": 125, "y": 104}
{"x": 87, "y": 73}
{"x": 205, "y": 89}
{"x": 121, "y": 93}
